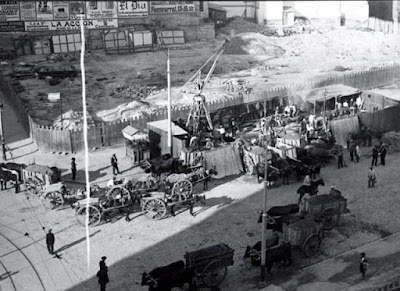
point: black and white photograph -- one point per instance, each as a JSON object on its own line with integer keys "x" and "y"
{"x": 200, "y": 145}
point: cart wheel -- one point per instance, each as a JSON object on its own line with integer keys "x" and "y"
{"x": 181, "y": 190}
{"x": 119, "y": 192}
{"x": 330, "y": 218}
{"x": 197, "y": 162}
{"x": 248, "y": 164}
{"x": 94, "y": 215}
{"x": 311, "y": 245}
{"x": 33, "y": 186}
{"x": 214, "y": 273}
{"x": 53, "y": 200}
{"x": 154, "y": 208}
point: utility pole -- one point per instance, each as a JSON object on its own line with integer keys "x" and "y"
{"x": 264, "y": 214}
{"x": 169, "y": 108}
{"x": 3, "y": 143}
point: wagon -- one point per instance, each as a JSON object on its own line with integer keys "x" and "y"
{"x": 35, "y": 177}
{"x": 210, "y": 264}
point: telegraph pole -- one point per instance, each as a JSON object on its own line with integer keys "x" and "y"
{"x": 264, "y": 213}
{"x": 3, "y": 143}
{"x": 169, "y": 108}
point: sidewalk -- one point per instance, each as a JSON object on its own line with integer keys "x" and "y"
{"x": 100, "y": 170}
{"x": 342, "y": 272}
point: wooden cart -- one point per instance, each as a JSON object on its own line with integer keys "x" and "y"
{"x": 210, "y": 264}
{"x": 37, "y": 176}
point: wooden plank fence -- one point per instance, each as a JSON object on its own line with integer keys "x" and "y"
{"x": 109, "y": 134}
{"x": 384, "y": 120}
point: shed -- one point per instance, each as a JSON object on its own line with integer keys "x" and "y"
{"x": 217, "y": 13}
{"x": 158, "y": 137}
{"x": 380, "y": 98}
{"x": 327, "y": 98}
{"x": 137, "y": 145}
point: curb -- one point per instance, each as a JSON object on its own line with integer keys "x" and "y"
{"x": 350, "y": 251}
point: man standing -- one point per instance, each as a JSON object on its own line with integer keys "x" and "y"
{"x": 50, "y": 242}
{"x": 73, "y": 168}
{"x": 114, "y": 164}
{"x": 371, "y": 177}
{"x": 383, "y": 154}
{"x": 352, "y": 149}
{"x": 102, "y": 263}
{"x": 358, "y": 153}
{"x": 102, "y": 274}
{"x": 375, "y": 153}
{"x": 340, "y": 158}
{"x": 363, "y": 265}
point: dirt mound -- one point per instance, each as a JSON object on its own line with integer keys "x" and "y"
{"x": 239, "y": 25}
{"x": 252, "y": 44}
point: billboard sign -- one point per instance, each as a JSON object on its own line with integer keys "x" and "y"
{"x": 131, "y": 9}
{"x": 169, "y": 7}
{"x": 9, "y": 11}
{"x": 60, "y": 10}
{"x": 101, "y": 9}
{"x": 70, "y": 24}
{"x": 76, "y": 8}
{"x": 44, "y": 10}
{"x": 28, "y": 10}
{"x": 7, "y": 26}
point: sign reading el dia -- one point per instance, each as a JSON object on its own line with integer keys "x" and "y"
{"x": 131, "y": 9}
{"x": 9, "y": 11}
{"x": 167, "y": 7}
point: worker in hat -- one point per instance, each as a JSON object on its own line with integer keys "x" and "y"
{"x": 73, "y": 168}
{"x": 209, "y": 143}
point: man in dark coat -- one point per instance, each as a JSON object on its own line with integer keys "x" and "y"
{"x": 375, "y": 156}
{"x": 50, "y": 242}
{"x": 102, "y": 263}
{"x": 340, "y": 158}
{"x": 363, "y": 265}
{"x": 114, "y": 164}
{"x": 383, "y": 154}
{"x": 102, "y": 274}
{"x": 73, "y": 168}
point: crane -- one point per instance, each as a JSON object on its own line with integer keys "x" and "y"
{"x": 198, "y": 111}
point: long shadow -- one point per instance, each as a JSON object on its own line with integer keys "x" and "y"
{"x": 63, "y": 248}
{"x": 219, "y": 201}
{"x": 80, "y": 174}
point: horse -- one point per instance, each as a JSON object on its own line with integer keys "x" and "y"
{"x": 312, "y": 189}
{"x": 168, "y": 277}
{"x": 253, "y": 252}
{"x": 273, "y": 175}
{"x": 6, "y": 176}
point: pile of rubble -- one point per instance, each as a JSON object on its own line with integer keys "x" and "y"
{"x": 239, "y": 25}
{"x": 60, "y": 57}
{"x": 252, "y": 44}
{"x": 72, "y": 120}
{"x": 392, "y": 141}
{"x": 135, "y": 92}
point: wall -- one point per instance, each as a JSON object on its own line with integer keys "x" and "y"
{"x": 270, "y": 12}
{"x": 238, "y": 8}
{"x": 382, "y": 120}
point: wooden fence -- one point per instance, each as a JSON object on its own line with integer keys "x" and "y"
{"x": 384, "y": 120}
{"x": 109, "y": 134}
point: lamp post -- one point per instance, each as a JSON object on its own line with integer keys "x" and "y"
{"x": 3, "y": 143}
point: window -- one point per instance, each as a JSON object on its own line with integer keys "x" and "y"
{"x": 201, "y": 8}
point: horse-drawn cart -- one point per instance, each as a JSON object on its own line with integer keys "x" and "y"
{"x": 210, "y": 264}
{"x": 36, "y": 177}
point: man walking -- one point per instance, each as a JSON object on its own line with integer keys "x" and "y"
{"x": 73, "y": 168}
{"x": 102, "y": 274}
{"x": 371, "y": 177}
{"x": 50, "y": 242}
{"x": 114, "y": 164}
{"x": 352, "y": 149}
{"x": 358, "y": 153}
{"x": 374, "y": 156}
{"x": 363, "y": 265}
{"x": 340, "y": 158}
{"x": 383, "y": 154}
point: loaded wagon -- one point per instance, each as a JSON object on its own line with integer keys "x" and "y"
{"x": 36, "y": 177}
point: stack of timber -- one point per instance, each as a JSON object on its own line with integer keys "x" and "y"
{"x": 226, "y": 160}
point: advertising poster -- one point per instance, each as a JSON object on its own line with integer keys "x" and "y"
{"x": 76, "y": 8}
{"x": 27, "y": 10}
{"x": 101, "y": 9}
{"x": 9, "y": 11}
{"x": 37, "y": 25}
{"x": 7, "y": 26}
{"x": 167, "y": 7}
{"x": 44, "y": 10}
{"x": 60, "y": 10}
{"x": 131, "y": 9}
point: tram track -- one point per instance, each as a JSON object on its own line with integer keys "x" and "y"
{"x": 9, "y": 275}
{"x": 26, "y": 257}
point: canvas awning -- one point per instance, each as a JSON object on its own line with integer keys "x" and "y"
{"x": 134, "y": 134}
{"x": 163, "y": 126}
{"x": 328, "y": 92}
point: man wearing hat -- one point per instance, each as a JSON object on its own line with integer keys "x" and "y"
{"x": 102, "y": 274}
{"x": 363, "y": 265}
{"x": 50, "y": 242}
{"x": 102, "y": 263}
{"x": 73, "y": 168}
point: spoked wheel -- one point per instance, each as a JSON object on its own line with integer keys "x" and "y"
{"x": 53, "y": 200}
{"x": 330, "y": 218}
{"x": 248, "y": 164}
{"x": 155, "y": 208}
{"x": 214, "y": 273}
{"x": 197, "y": 162}
{"x": 119, "y": 193}
{"x": 94, "y": 215}
{"x": 33, "y": 186}
{"x": 181, "y": 190}
{"x": 311, "y": 245}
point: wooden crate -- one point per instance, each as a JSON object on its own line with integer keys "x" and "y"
{"x": 201, "y": 258}
{"x": 297, "y": 232}
{"x": 316, "y": 204}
